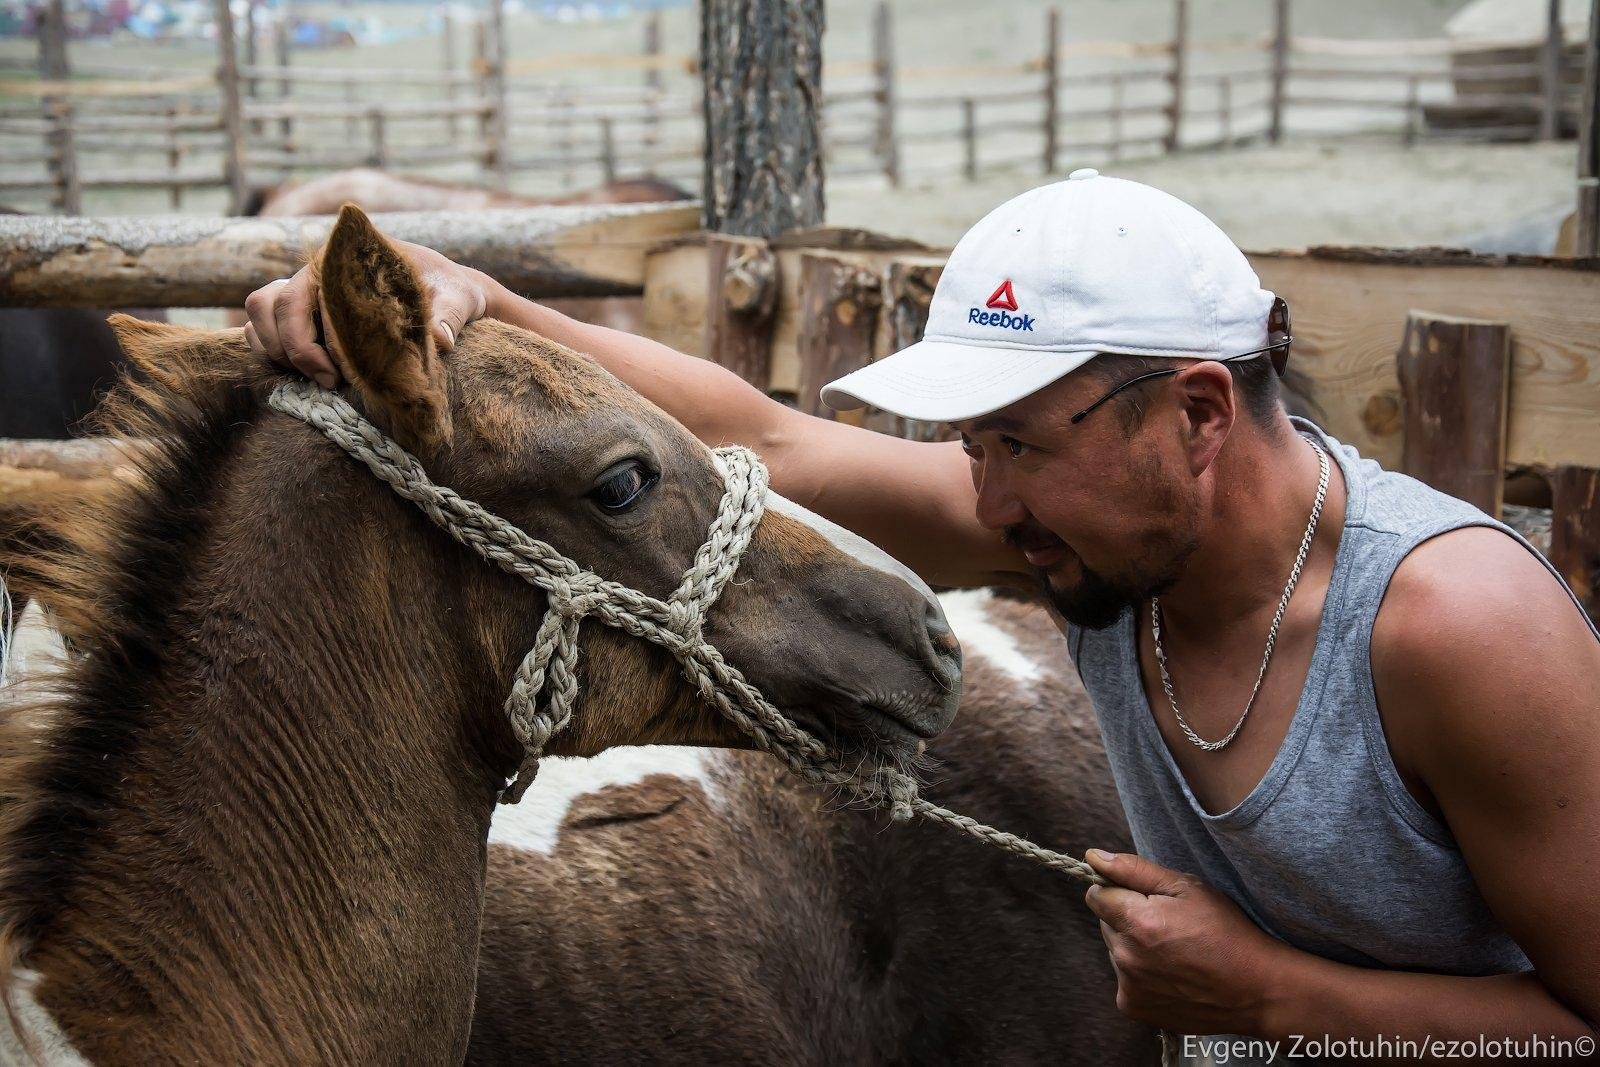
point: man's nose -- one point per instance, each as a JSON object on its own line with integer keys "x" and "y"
{"x": 998, "y": 506}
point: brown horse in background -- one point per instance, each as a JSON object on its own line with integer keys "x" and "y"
{"x": 698, "y": 907}
{"x": 246, "y": 822}
{"x": 376, "y": 190}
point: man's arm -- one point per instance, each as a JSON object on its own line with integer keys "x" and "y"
{"x": 1488, "y": 681}
{"x": 914, "y": 500}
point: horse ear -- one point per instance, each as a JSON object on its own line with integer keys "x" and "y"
{"x": 182, "y": 360}
{"x": 377, "y": 314}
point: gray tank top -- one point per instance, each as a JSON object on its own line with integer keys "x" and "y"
{"x": 1329, "y": 852}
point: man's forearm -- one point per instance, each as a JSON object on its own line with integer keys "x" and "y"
{"x": 1316, "y": 997}
{"x": 716, "y": 405}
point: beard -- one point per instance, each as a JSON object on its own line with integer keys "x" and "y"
{"x": 1095, "y": 601}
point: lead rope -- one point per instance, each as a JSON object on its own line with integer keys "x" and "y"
{"x": 676, "y": 624}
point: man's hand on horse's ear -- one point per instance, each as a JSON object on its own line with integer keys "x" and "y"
{"x": 283, "y": 325}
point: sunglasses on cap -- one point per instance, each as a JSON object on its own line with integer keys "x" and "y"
{"x": 1280, "y": 337}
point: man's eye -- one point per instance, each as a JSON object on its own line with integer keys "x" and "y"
{"x": 1015, "y": 447}
{"x": 620, "y": 490}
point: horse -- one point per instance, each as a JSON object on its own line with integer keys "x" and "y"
{"x": 54, "y": 364}
{"x": 376, "y": 190}
{"x": 705, "y": 908}
{"x": 246, "y": 820}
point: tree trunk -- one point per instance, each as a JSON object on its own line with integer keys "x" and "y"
{"x": 761, "y": 62}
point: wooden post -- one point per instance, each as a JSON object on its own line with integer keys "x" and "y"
{"x": 379, "y": 155}
{"x": 1117, "y": 97}
{"x": 887, "y": 143}
{"x": 839, "y": 304}
{"x": 480, "y": 73}
{"x": 1588, "y": 243}
{"x": 252, "y": 85}
{"x": 652, "y": 86}
{"x": 608, "y": 152}
{"x": 447, "y": 45}
{"x": 1575, "y": 532}
{"x": 232, "y": 117}
{"x": 1225, "y": 107}
{"x": 174, "y": 156}
{"x": 1280, "y": 69}
{"x": 1180, "y": 60}
{"x": 561, "y": 101}
{"x": 1455, "y": 377}
{"x": 500, "y": 126}
{"x": 741, "y": 305}
{"x": 969, "y": 138}
{"x": 59, "y": 139}
{"x": 280, "y": 54}
{"x": 1052, "y": 86}
{"x": 1413, "y": 119}
{"x": 761, "y": 68}
{"x": 1550, "y": 73}
{"x": 909, "y": 294}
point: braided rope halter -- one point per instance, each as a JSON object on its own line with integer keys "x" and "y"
{"x": 676, "y": 623}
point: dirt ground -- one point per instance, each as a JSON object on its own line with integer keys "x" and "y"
{"x": 1342, "y": 191}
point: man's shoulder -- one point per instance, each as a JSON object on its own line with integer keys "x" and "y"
{"x": 1471, "y": 627}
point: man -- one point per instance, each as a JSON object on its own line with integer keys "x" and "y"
{"x": 1354, "y": 722}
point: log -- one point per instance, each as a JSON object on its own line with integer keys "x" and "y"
{"x": 1550, "y": 87}
{"x": 741, "y": 305}
{"x": 839, "y": 304}
{"x": 1455, "y": 375}
{"x": 1575, "y": 532}
{"x": 1350, "y": 306}
{"x": 590, "y": 250}
{"x": 83, "y": 457}
{"x": 761, "y": 68}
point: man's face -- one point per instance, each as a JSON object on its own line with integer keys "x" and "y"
{"x": 1105, "y": 517}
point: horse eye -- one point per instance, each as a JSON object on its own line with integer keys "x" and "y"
{"x": 622, "y": 487}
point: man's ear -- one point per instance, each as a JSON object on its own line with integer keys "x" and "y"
{"x": 376, "y": 313}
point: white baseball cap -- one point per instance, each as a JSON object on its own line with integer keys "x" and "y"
{"x": 1054, "y": 277}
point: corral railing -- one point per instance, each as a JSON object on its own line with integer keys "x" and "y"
{"x": 486, "y": 115}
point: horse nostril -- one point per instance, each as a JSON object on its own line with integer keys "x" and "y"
{"x": 945, "y": 661}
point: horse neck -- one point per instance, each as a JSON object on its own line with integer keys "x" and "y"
{"x": 292, "y": 869}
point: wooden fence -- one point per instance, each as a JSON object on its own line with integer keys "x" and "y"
{"x": 263, "y": 118}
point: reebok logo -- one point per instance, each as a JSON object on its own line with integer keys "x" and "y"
{"x": 1002, "y": 297}
{"x": 1005, "y": 299}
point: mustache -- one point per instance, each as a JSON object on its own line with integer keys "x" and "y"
{"x": 1023, "y": 536}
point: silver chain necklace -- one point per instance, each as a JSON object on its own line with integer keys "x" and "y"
{"x": 1272, "y": 632}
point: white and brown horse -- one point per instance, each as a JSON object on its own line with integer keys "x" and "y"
{"x": 247, "y": 820}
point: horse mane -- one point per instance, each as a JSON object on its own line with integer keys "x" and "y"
{"x": 113, "y": 572}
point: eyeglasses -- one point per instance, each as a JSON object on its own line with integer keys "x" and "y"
{"x": 1277, "y": 328}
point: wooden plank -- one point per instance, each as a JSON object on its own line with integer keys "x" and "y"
{"x": 839, "y": 304}
{"x": 742, "y": 300}
{"x": 83, "y": 457}
{"x": 591, "y": 250}
{"x": 499, "y": 129}
{"x": 60, "y": 141}
{"x": 1350, "y": 306}
{"x": 1455, "y": 376}
{"x": 1575, "y": 532}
